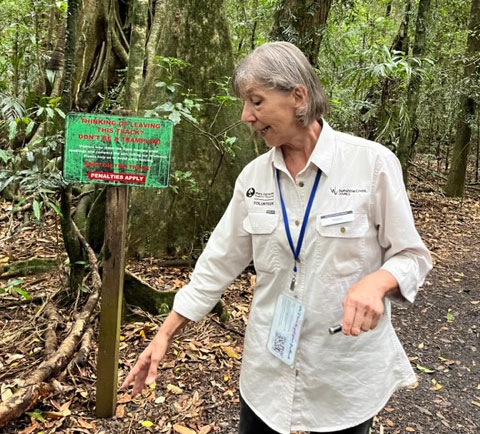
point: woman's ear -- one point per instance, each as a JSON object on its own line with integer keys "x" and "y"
{"x": 300, "y": 95}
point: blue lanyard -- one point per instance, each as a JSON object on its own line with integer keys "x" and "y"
{"x": 296, "y": 251}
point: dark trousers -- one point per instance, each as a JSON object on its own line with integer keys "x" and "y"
{"x": 250, "y": 423}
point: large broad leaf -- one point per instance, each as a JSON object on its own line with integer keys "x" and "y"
{"x": 4, "y": 156}
{"x": 12, "y": 129}
{"x": 36, "y": 209}
{"x": 22, "y": 292}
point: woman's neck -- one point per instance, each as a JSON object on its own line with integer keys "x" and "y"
{"x": 297, "y": 153}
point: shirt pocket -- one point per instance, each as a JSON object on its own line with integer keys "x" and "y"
{"x": 261, "y": 227}
{"x": 340, "y": 248}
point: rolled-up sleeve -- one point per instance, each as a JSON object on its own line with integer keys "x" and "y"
{"x": 405, "y": 255}
{"x": 227, "y": 253}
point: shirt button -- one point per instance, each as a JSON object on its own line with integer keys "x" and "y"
{"x": 297, "y": 222}
{"x": 343, "y": 229}
{"x": 301, "y": 184}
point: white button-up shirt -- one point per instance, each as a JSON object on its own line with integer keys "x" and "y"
{"x": 336, "y": 381}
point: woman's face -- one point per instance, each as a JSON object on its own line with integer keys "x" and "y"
{"x": 272, "y": 114}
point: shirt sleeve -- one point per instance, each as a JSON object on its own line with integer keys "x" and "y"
{"x": 405, "y": 255}
{"x": 227, "y": 253}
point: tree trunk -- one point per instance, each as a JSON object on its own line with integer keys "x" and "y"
{"x": 138, "y": 40}
{"x": 400, "y": 43}
{"x": 195, "y": 32}
{"x": 301, "y": 23}
{"x": 98, "y": 61}
{"x": 72, "y": 244}
{"x": 405, "y": 144}
{"x": 152, "y": 44}
{"x": 69, "y": 56}
{"x": 458, "y": 168}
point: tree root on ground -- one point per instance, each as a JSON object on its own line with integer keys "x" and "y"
{"x": 29, "y": 266}
{"x": 54, "y": 319}
{"x": 34, "y": 387}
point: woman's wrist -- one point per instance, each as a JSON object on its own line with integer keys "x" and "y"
{"x": 388, "y": 284}
{"x": 171, "y": 326}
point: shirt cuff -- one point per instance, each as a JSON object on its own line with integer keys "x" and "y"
{"x": 191, "y": 305}
{"x": 406, "y": 283}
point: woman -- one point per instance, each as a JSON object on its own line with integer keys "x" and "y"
{"x": 327, "y": 221}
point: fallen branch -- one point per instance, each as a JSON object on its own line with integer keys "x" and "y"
{"x": 82, "y": 354}
{"x": 444, "y": 178}
{"x": 33, "y": 389}
{"x": 54, "y": 319}
{"x": 23, "y": 400}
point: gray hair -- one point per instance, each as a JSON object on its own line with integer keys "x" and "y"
{"x": 282, "y": 66}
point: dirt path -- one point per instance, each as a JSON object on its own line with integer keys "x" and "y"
{"x": 441, "y": 331}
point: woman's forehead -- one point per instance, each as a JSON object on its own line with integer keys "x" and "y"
{"x": 250, "y": 88}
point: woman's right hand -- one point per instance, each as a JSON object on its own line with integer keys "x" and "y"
{"x": 145, "y": 370}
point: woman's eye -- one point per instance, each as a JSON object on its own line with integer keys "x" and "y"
{"x": 257, "y": 103}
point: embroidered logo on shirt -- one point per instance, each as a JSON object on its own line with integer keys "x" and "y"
{"x": 250, "y": 192}
{"x": 347, "y": 191}
{"x": 263, "y": 199}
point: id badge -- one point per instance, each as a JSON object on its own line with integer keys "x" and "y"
{"x": 336, "y": 218}
{"x": 285, "y": 329}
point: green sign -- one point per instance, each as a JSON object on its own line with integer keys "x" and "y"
{"x": 117, "y": 150}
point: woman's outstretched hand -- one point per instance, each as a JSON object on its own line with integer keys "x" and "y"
{"x": 145, "y": 370}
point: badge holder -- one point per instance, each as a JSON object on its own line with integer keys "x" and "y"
{"x": 289, "y": 312}
{"x": 286, "y": 327}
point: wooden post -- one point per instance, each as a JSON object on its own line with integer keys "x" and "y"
{"x": 111, "y": 300}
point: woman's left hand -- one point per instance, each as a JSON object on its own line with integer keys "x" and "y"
{"x": 363, "y": 305}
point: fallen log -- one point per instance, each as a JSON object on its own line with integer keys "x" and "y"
{"x": 140, "y": 294}
{"x": 82, "y": 354}
{"x": 17, "y": 403}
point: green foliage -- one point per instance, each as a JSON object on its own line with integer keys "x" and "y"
{"x": 36, "y": 414}
{"x": 172, "y": 109}
{"x": 14, "y": 287}
{"x": 183, "y": 182}
{"x": 23, "y": 29}
{"x": 18, "y": 120}
{"x": 250, "y": 23}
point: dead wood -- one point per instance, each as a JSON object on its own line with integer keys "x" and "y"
{"x": 82, "y": 354}
{"x": 54, "y": 319}
{"x": 32, "y": 390}
{"x": 38, "y": 299}
{"x": 177, "y": 263}
{"x": 22, "y": 401}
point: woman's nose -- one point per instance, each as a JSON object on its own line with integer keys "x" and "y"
{"x": 247, "y": 113}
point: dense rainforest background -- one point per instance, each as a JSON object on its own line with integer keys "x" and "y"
{"x": 404, "y": 73}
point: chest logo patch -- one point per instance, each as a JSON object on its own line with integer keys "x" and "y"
{"x": 347, "y": 191}
{"x": 250, "y": 192}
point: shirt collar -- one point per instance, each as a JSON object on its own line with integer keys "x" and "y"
{"x": 322, "y": 155}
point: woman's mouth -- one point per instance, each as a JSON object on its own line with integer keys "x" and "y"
{"x": 263, "y": 131}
